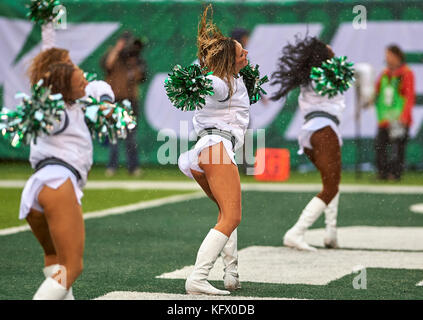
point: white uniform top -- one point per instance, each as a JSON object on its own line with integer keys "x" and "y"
{"x": 223, "y": 112}
{"x": 310, "y": 101}
{"x": 72, "y": 142}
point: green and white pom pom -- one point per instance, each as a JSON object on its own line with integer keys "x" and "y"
{"x": 335, "y": 76}
{"x": 108, "y": 120}
{"x": 187, "y": 87}
{"x": 41, "y": 11}
{"x": 90, "y": 76}
{"x": 35, "y": 116}
{"x": 252, "y": 81}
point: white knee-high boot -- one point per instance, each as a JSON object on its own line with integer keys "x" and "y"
{"x": 209, "y": 250}
{"x": 331, "y": 214}
{"x": 51, "y": 270}
{"x": 295, "y": 236}
{"x": 50, "y": 289}
{"x": 230, "y": 261}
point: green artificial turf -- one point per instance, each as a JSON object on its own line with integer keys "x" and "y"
{"x": 126, "y": 252}
{"x": 93, "y": 200}
{"x": 22, "y": 171}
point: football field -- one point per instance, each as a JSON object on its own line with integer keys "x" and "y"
{"x": 145, "y": 250}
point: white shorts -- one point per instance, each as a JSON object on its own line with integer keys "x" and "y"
{"x": 52, "y": 176}
{"x": 311, "y": 127}
{"x": 189, "y": 160}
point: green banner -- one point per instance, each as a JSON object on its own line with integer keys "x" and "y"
{"x": 170, "y": 28}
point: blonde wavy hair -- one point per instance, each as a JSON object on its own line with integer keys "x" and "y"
{"x": 215, "y": 51}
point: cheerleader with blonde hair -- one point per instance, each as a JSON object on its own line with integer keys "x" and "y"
{"x": 221, "y": 125}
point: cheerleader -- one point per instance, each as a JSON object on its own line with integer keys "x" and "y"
{"x": 319, "y": 137}
{"x": 51, "y": 199}
{"x": 39, "y": 66}
{"x": 220, "y": 125}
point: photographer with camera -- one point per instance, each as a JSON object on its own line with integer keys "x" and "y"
{"x": 125, "y": 70}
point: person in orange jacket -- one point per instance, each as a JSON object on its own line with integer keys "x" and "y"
{"x": 394, "y": 100}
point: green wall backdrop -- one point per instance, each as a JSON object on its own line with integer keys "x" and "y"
{"x": 170, "y": 28}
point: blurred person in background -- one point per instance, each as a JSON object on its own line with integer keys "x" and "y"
{"x": 125, "y": 70}
{"x": 241, "y": 35}
{"x": 394, "y": 100}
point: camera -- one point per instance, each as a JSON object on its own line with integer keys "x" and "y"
{"x": 133, "y": 46}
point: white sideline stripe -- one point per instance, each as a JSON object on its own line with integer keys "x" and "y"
{"x": 7, "y": 231}
{"x": 417, "y": 208}
{"x": 133, "y": 295}
{"x": 121, "y": 209}
{"x": 143, "y": 205}
{"x": 190, "y": 185}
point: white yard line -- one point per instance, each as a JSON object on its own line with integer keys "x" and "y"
{"x": 7, "y": 231}
{"x": 121, "y": 210}
{"x": 417, "y": 208}
{"x": 188, "y": 185}
{"x": 132, "y": 295}
{"x": 272, "y": 187}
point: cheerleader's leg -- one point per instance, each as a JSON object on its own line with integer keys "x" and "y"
{"x": 39, "y": 227}
{"x": 230, "y": 251}
{"x": 64, "y": 217}
{"x": 223, "y": 180}
{"x": 326, "y": 156}
{"x": 200, "y": 177}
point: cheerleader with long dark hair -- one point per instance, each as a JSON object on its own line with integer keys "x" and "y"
{"x": 319, "y": 137}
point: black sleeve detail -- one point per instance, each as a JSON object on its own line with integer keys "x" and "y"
{"x": 64, "y": 126}
{"x": 106, "y": 97}
{"x": 224, "y": 100}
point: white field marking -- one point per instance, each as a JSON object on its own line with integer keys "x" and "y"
{"x": 122, "y": 209}
{"x": 417, "y": 208}
{"x": 4, "y": 232}
{"x": 377, "y": 238}
{"x": 133, "y": 295}
{"x": 420, "y": 284}
{"x": 281, "y": 265}
{"x": 274, "y": 187}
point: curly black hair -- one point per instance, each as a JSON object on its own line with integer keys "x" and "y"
{"x": 295, "y": 65}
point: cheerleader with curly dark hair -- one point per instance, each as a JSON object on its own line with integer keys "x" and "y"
{"x": 319, "y": 138}
{"x": 51, "y": 198}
